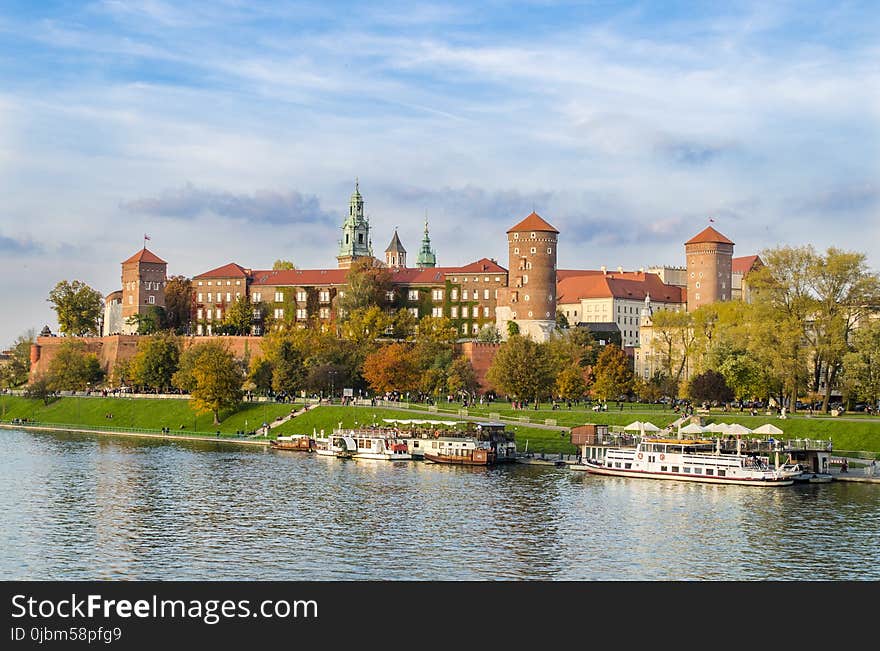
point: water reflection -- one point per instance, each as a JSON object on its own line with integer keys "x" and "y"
{"x": 81, "y": 507}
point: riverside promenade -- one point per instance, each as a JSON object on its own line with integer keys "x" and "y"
{"x": 134, "y": 434}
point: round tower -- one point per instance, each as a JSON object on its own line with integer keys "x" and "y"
{"x": 530, "y": 297}
{"x": 709, "y": 267}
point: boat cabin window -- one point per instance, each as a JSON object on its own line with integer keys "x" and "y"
{"x": 687, "y": 470}
{"x": 722, "y": 473}
{"x": 674, "y": 468}
{"x": 710, "y": 471}
{"x": 415, "y": 444}
{"x": 662, "y": 468}
{"x": 627, "y": 466}
{"x": 698, "y": 471}
{"x": 617, "y": 464}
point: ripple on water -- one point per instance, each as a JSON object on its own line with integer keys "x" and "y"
{"x": 81, "y": 507}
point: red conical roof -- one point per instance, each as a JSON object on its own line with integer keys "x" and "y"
{"x": 145, "y": 255}
{"x": 533, "y": 222}
{"x": 708, "y": 234}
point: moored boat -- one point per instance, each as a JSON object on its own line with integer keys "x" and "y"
{"x": 685, "y": 460}
{"x": 363, "y": 444}
{"x": 477, "y": 444}
{"x": 297, "y": 442}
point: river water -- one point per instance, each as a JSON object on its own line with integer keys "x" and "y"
{"x": 80, "y": 507}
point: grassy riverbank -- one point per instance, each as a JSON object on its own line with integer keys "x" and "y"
{"x": 848, "y": 433}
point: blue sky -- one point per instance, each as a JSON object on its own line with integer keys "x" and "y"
{"x": 233, "y": 131}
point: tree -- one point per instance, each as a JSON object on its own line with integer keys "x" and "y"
{"x": 846, "y": 292}
{"x": 156, "y": 361}
{"x": 364, "y": 325}
{"x": 570, "y": 383}
{"x": 78, "y": 306}
{"x": 179, "y": 303}
{"x": 861, "y": 367}
{"x": 391, "y": 368}
{"x": 153, "y": 320}
{"x": 462, "y": 378}
{"x": 16, "y": 371}
{"x": 673, "y": 342}
{"x": 40, "y": 388}
{"x": 283, "y": 265}
{"x": 403, "y": 324}
{"x": 521, "y": 369}
{"x": 437, "y": 329}
{"x": 613, "y": 374}
{"x": 709, "y": 386}
{"x": 561, "y": 320}
{"x": 74, "y": 369}
{"x": 368, "y": 286}
{"x": 489, "y": 334}
{"x": 239, "y": 317}
{"x": 288, "y": 367}
{"x": 512, "y": 328}
{"x": 260, "y": 375}
{"x": 218, "y": 379}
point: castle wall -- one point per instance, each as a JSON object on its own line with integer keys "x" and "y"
{"x": 480, "y": 354}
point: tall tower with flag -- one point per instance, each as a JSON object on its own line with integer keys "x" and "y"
{"x": 143, "y": 286}
{"x": 709, "y": 257}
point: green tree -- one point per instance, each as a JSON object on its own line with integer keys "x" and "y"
{"x": 239, "y": 317}
{"x": 260, "y": 375}
{"x": 861, "y": 366}
{"x": 156, "y": 361}
{"x": 613, "y": 374}
{"x": 489, "y": 334}
{"x": 462, "y": 379}
{"x": 367, "y": 286}
{"x": 512, "y": 328}
{"x": 179, "y": 304}
{"x": 153, "y": 320}
{"x": 288, "y": 367}
{"x": 73, "y": 368}
{"x": 40, "y": 388}
{"x": 218, "y": 378}
{"x": 16, "y": 371}
{"x": 522, "y": 369}
{"x": 78, "y": 307}
{"x": 283, "y": 265}
{"x": 403, "y": 324}
{"x": 561, "y": 320}
{"x": 364, "y": 325}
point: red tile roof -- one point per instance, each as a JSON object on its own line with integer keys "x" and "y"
{"x": 230, "y": 270}
{"x": 630, "y": 285}
{"x": 745, "y": 264}
{"x": 299, "y": 277}
{"x": 145, "y": 255}
{"x": 708, "y": 234}
{"x": 533, "y": 223}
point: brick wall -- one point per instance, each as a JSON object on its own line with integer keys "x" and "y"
{"x": 480, "y": 355}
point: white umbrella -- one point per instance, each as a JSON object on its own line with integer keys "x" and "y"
{"x": 635, "y": 426}
{"x": 693, "y": 428}
{"x": 716, "y": 428}
{"x": 769, "y": 428}
{"x": 649, "y": 427}
{"x": 736, "y": 428}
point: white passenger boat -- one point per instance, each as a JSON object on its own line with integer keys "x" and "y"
{"x": 685, "y": 460}
{"x": 363, "y": 444}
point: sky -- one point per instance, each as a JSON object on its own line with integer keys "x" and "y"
{"x": 234, "y": 130}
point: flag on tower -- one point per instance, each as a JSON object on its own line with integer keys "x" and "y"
{"x": 710, "y": 219}
{"x": 146, "y": 237}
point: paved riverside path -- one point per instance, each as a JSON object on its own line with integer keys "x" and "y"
{"x": 293, "y": 414}
{"x": 513, "y": 420}
{"x": 149, "y": 435}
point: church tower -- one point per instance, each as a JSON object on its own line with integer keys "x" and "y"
{"x": 355, "y": 242}
{"x": 529, "y": 300}
{"x": 709, "y": 268}
{"x": 427, "y": 256}
{"x": 395, "y": 254}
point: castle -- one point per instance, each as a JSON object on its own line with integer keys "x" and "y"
{"x": 528, "y": 293}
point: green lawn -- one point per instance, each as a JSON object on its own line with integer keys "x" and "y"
{"x": 860, "y": 434}
{"x": 138, "y": 414}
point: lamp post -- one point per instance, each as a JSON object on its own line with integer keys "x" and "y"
{"x": 332, "y": 374}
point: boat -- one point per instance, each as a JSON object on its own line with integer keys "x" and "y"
{"x": 298, "y": 442}
{"x": 363, "y": 444}
{"x": 802, "y": 476}
{"x": 692, "y": 460}
{"x": 478, "y": 444}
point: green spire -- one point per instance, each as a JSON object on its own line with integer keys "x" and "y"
{"x": 427, "y": 257}
{"x": 355, "y": 242}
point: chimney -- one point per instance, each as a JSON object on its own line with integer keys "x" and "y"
{"x": 620, "y": 270}
{"x": 603, "y": 269}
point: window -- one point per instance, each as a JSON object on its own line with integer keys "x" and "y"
{"x": 324, "y": 312}
{"x": 199, "y": 328}
{"x": 238, "y": 282}
{"x": 486, "y": 294}
{"x": 151, "y": 300}
{"x": 324, "y": 296}
{"x": 437, "y": 311}
{"x": 710, "y": 471}
{"x": 525, "y": 280}
{"x": 454, "y": 312}
{"x": 279, "y": 312}
{"x": 200, "y": 298}
{"x": 549, "y": 250}
{"x": 486, "y": 312}
{"x": 200, "y": 283}
{"x": 237, "y": 295}
{"x": 209, "y": 283}
{"x": 210, "y": 297}
{"x": 674, "y": 468}
{"x": 414, "y": 311}
{"x": 210, "y": 314}
{"x": 256, "y": 314}
{"x": 516, "y": 236}
{"x": 722, "y": 473}
{"x": 130, "y": 299}
{"x": 219, "y": 313}
{"x": 454, "y": 294}
{"x": 437, "y": 294}
{"x": 228, "y": 282}
{"x": 475, "y": 329}
{"x": 533, "y": 250}
{"x": 464, "y": 328}
{"x": 476, "y": 312}
{"x": 199, "y": 313}
{"x": 256, "y": 297}
{"x": 301, "y": 313}
{"x": 301, "y": 297}
{"x": 228, "y": 297}
{"x": 516, "y": 250}
{"x": 526, "y": 297}
{"x": 279, "y": 297}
